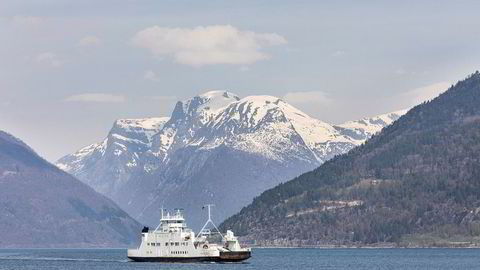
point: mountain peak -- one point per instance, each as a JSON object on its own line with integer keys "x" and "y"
{"x": 251, "y": 110}
{"x": 11, "y": 139}
{"x": 204, "y": 106}
{"x": 215, "y": 94}
{"x": 141, "y": 123}
{"x": 206, "y": 134}
{"x": 360, "y": 130}
{"x": 215, "y": 100}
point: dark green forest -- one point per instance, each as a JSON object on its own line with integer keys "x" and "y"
{"x": 416, "y": 183}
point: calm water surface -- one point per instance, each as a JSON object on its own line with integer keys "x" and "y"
{"x": 371, "y": 259}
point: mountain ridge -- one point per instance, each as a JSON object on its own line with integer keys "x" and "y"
{"x": 43, "y": 206}
{"x": 217, "y": 127}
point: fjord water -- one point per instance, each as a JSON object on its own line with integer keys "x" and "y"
{"x": 291, "y": 258}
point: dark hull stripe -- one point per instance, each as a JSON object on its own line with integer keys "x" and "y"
{"x": 233, "y": 257}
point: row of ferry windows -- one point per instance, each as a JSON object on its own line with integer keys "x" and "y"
{"x": 167, "y": 244}
{"x": 172, "y": 252}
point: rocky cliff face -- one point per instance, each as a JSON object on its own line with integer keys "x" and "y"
{"x": 215, "y": 148}
{"x": 42, "y": 206}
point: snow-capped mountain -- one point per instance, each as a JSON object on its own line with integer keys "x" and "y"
{"x": 215, "y": 148}
{"x": 107, "y": 165}
{"x": 362, "y": 129}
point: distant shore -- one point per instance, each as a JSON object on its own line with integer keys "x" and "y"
{"x": 363, "y": 247}
{"x": 378, "y": 246}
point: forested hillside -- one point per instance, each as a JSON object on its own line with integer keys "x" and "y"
{"x": 42, "y": 206}
{"x": 415, "y": 183}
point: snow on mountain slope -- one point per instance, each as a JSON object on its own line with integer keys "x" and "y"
{"x": 213, "y": 145}
{"x": 187, "y": 118}
{"x": 116, "y": 154}
{"x": 266, "y": 125}
{"x": 362, "y": 129}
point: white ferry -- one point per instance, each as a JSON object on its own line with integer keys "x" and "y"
{"x": 173, "y": 241}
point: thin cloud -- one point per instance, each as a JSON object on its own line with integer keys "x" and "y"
{"x": 314, "y": 103}
{"x": 339, "y": 53}
{"x": 244, "y": 68}
{"x": 89, "y": 41}
{"x": 27, "y": 20}
{"x": 164, "y": 98}
{"x": 207, "y": 45}
{"x": 96, "y": 98}
{"x": 400, "y": 71}
{"x": 49, "y": 58}
{"x": 299, "y": 97}
{"x": 425, "y": 93}
{"x": 151, "y": 76}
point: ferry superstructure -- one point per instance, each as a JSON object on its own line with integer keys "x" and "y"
{"x": 173, "y": 241}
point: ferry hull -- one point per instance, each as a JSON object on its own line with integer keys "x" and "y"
{"x": 233, "y": 256}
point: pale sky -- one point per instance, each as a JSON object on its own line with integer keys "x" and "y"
{"x": 68, "y": 69}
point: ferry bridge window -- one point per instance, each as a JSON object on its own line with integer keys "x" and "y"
{"x": 166, "y": 244}
{"x": 177, "y": 244}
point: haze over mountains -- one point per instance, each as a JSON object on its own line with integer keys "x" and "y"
{"x": 214, "y": 148}
{"x": 415, "y": 183}
{"x": 42, "y": 206}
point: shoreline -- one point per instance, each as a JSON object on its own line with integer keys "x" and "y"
{"x": 372, "y": 246}
{"x": 365, "y": 247}
{"x": 260, "y": 247}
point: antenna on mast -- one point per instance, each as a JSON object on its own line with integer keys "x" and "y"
{"x": 161, "y": 218}
{"x": 203, "y": 231}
